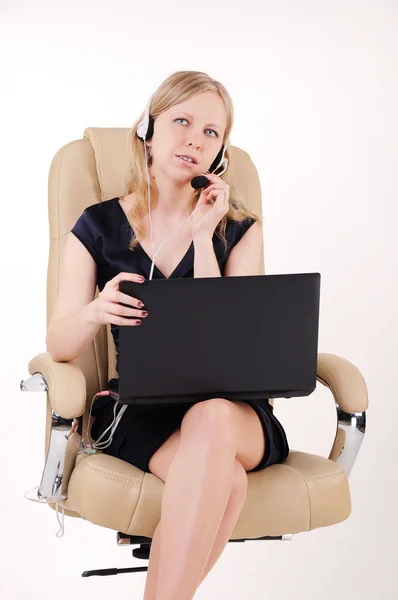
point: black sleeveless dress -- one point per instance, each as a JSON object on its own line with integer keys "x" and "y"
{"x": 105, "y": 231}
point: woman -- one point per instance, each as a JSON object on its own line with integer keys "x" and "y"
{"x": 207, "y": 447}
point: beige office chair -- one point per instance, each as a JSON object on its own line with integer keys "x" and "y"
{"x": 305, "y": 492}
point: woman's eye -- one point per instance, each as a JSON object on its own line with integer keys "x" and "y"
{"x": 182, "y": 119}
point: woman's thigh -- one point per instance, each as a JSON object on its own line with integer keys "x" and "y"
{"x": 250, "y": 440}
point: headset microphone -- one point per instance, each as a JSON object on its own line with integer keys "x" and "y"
{"x": 200, "y": 181}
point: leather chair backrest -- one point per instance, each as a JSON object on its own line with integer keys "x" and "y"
{"x": 94, "y": 169}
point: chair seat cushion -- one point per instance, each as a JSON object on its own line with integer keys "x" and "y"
{"x": 303, "y": 493}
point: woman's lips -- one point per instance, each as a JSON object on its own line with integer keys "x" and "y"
{"x": 186, "y": 162}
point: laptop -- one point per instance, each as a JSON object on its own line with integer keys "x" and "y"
{"x": 243, "y": 337}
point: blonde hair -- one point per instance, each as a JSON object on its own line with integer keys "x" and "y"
{"x": 177, "y": 88}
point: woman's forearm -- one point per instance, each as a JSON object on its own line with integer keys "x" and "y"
{"x": 205, "y": 261}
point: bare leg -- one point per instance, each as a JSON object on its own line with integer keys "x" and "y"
{"x": 234, "y": 507}
{"x": 153, "y": 565}
{"x": 204, "y": 464}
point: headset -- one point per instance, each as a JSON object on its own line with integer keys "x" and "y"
{"x": 144, "y": 132}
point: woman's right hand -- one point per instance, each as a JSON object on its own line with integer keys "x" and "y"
{"x": 107, "y": 308}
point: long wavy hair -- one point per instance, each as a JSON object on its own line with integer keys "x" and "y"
{"x": 177, "y": 88}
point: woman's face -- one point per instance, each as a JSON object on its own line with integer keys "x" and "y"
{"x": 195, "y": 127}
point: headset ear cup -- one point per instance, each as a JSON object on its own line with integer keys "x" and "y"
{"x": 216, "y": 161}
{"x": 149, "y": 132}
{"x": 150, "y": 127}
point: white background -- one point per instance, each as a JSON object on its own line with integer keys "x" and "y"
{"x": 315, "y": 90}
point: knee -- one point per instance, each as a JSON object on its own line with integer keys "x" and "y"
{"x": 214, "y": 415}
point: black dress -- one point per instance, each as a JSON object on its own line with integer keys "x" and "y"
{"x": 105, "y": 231}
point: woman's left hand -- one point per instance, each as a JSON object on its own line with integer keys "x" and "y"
{"x": 211, "y": 207}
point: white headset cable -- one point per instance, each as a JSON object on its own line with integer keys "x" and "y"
{"x": 61, "y": 523}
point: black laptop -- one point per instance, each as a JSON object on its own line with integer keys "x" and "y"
{"x": 249, "y": 337}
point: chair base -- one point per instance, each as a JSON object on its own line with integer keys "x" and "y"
{"x": 144, "y": 550}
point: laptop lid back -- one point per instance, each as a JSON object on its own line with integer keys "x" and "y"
{"x": 249, "y": 337}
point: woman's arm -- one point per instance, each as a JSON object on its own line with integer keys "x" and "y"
{"x": 205, "y": 261}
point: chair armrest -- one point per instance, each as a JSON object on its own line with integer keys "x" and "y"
{"x": 351, "y": 398}
{"x": 65, "y": 384}
{"x": 345, "y": 381}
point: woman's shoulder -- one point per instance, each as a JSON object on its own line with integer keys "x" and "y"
{"x": 99, "y": 209}
{"x": 95, "y": 225}
{"x": 102, "y": 216}
{"x": 236, "y": 229}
